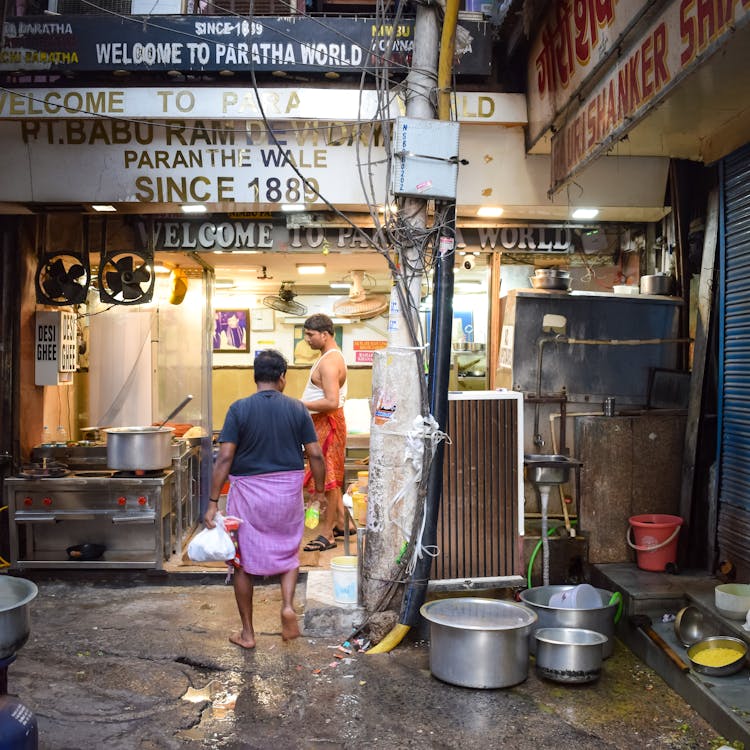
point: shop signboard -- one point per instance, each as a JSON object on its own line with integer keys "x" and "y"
{"x": 193, "y": 44}
{"x": 244, "y": 103}
{"x": 683, "y": 36}
{"x": 574, "y": 41}
{"x": 252, "y": 167}
{"x": 231, "y": 234}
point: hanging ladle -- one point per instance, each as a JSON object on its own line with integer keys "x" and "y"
{"x": 177, "y": 410}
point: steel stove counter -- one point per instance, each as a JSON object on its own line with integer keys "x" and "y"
{"x": 131, "y": 516}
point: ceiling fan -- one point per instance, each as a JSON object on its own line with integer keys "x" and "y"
{"x": 360, "y": 303}
{"x": 284, "y": 300}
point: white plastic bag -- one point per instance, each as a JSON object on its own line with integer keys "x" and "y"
{"x": 212, "y": 545}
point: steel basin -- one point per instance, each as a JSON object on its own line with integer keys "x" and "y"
{"x": 548, "y": 468}
{"x": 16, "y": 594}
{"x": 479, "y": 643}
{"x": 600, "y": 619}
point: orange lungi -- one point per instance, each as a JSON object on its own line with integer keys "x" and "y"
{"x": 331, "y": 429}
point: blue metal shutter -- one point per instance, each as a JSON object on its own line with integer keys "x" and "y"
{"x": 734, "y": 408}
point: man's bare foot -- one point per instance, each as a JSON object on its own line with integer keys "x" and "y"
{"x": 289, "y": 625}
{"x": 239, "y": 639}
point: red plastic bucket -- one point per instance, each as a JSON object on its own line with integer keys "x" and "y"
{"x": 655, "y": 540}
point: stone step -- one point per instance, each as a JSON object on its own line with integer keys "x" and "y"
{"x": 324, "y": 616}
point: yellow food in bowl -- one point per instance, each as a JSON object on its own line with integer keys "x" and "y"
{"x": 717, "y": 657}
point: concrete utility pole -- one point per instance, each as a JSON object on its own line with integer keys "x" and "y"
{"x": 396, "y": 440}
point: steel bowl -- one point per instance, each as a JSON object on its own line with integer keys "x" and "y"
{"x": 550, "y": 282}
{"x": 659, "y": 284}
{"x": 689, "y": 626}
{"x": 554, "y": 273}
{"x": 718, "y": 641}
{"x": 571, "y": 655}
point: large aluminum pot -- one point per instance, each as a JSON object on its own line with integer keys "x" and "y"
{"x": 571, "y": 655}
{"x": 600, "y": 619}
{"x": 479, "y": 643}
{"x": 16, "y": 594}
{"x": 139, "y": 448}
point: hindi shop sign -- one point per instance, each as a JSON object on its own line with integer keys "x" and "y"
{"x": 674, "y": 45}
{"x": 215, "y": 43}
{"x": 575, "y": 40}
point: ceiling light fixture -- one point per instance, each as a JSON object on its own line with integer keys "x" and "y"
{"x": 158, "y": 268}
{"x": 102, "y": 207}
{"x": 489, "y": 212}
{"x": 340, "y": 285}
{"x": 585, "y": 213}
{"x": 224, "y": 284}
{"x": 309, "y": 269}
{"x": 193, "y": 208}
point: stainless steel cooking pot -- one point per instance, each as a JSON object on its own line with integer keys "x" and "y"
{"x": 600, "y": 619}
{"x": 139, "y": 448}
{"x": 658, "y": 283}
{"x": 572, "y": 655}
{"x": 16, "y": 594}
{"x": 479, "y": 643}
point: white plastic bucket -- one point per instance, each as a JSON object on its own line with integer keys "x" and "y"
{"x": 344, "y": 571}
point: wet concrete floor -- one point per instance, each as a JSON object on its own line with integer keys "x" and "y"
{"x": 149, "y": 666}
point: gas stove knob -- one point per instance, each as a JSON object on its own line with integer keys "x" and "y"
{"x": 142, "y": 500}
{"x": 47, "y": 501}
{"x": 28, "y": 501}
{"x": 121, "y": 500}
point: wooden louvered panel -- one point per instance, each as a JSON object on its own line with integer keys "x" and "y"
{"x": 478, "y": 527}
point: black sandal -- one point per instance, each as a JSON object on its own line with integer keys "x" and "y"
{"x": 319, "y": 544}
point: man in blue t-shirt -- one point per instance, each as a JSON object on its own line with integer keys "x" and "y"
{"x": 261, "y": 454}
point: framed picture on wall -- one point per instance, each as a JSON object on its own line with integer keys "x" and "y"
{"x": 230, "y": 331}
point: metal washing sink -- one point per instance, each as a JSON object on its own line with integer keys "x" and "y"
{"x": 549, "y": 468}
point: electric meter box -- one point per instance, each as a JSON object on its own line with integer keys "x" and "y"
{"x": 425, "y": 158}
{"x": 55, "y": 347}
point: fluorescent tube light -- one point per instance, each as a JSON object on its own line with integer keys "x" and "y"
{"x": 489, "y": 212}
{"x": 310, "y": 269}
{"x": 103, "y": 207}
{"x": 291, "y": 208}
{"x": 193, "y": 208}
{"x": 585, "y": 213}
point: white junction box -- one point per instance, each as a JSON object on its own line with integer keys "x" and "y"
{"x": 425, "y": 158}
{"x": 55, "y": 347}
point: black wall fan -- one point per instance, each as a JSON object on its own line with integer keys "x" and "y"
{"x": 126, "y": 277}
{"x": 284, "y": 301}
{"x": 62, "y": 278}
